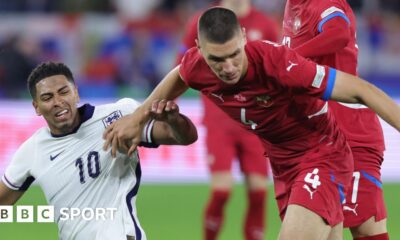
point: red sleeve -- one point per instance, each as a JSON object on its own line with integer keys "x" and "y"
{"x": 298, "y": 74}
{"x": 189, "y": 37}
{"x": 272, "y": 30}
{"x": 335, "y": 35}
{"x": 187, "y": 65}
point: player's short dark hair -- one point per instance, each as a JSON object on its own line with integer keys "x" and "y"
{"x": 47, "y": 69}
{"x": 218, "y": 25}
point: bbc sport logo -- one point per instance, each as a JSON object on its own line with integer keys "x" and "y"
{"x": 45, "y": 214}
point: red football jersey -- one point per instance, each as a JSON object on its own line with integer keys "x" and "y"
{"x": 305, "y": 20}
{"x": 279, "y": 99}
{"x": 258, "y": 26}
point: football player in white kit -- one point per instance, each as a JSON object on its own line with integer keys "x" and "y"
{"x": 67, "y": 160}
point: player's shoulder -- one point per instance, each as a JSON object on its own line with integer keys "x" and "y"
{"x": 191, "y": 60}
{"x": 123, "y": 104}
{"x": 261, "y": 48}
{"x": 327, "y": 7}
{"x": 29, "y": 146}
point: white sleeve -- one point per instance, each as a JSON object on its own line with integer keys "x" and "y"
{"x": 17, "y": 175}
{"x": 129, "y": 105}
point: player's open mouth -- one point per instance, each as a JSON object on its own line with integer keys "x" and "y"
{"x": 62, "y": 114}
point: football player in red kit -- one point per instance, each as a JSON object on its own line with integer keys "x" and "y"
{"x": 237, "y": 141}
{"x": 282, "y": 100}
{"x": 325, "y": 32}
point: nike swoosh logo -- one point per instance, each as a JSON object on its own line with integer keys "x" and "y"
{"x": 55, "y": 156}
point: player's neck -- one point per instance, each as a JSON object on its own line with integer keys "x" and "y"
{"x": 240, "y": 10}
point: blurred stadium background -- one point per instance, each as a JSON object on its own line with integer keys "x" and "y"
{"x": 122, "y": 48}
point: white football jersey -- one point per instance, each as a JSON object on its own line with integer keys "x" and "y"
{"x": 75, "y": 172}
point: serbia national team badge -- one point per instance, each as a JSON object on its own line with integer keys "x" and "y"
{"x": 264, "y": 101}
{"x": 114, "y": 116}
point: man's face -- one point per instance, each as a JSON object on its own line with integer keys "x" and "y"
{"x": 56, "y": 100}
{"x": 228, "y": 60}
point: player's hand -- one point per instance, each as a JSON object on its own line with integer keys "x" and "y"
{"x": 125, "y": 133}
{"x": 165, "y": 111}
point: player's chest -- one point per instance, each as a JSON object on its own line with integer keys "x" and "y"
{"x": 253, "y": 106}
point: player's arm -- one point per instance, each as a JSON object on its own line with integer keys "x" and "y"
{"x": 333, "y": 36}
{"x": 9, "y": 196}
{"x": 171, "y": 127}
{"x": 125, "y": 134}
{"x": 351, "y": 89}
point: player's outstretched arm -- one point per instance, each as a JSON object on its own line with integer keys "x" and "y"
{"x": 351, "y": 89}
{"x": 125, "y": 134}
{"x": 8, "y": 196}
{"x": 170, "y": 126}
{"x": 334, "y": 36}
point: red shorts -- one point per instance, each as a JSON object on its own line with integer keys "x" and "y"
{"x": 225, "y": 143}
{"x": 318, "y": 188}
{"x": 365, "y": 196}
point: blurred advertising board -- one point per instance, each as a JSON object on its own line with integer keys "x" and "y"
{"x": 18, "y": 122}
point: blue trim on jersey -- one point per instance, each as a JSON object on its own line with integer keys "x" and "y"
{"x": 132, "y": 194}
{"x": 330, "y": 16}
{"x": 330, "y": 84}
{"x": 372, "y": 179}
{"x": 25, "y": 185}
{"x": 86, "y": 113}
{"x": 341, "y": 192}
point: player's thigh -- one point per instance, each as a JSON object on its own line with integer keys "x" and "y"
{"x": 301, "y": 223}
{"x": 371, "y": 227}
{"x": 251, "y": 153}
{"x": 336, "y": 232}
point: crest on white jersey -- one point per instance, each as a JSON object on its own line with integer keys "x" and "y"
{"x": 114, "y": 116}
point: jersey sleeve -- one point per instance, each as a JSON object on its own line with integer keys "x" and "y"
{"x": 298, "y": 74}
{"x": 332, "y": 12}
{"x": 188, "y": 66}
{"x": 17, "y": 175}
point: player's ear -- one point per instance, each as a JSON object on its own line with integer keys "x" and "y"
{"x": 36, "y": 107}
{"x": 244, "y": 34}
{"x": 78, "y": 98}
{"x": 197, "y": 43}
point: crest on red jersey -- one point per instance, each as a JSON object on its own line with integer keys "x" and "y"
{"x": 264, "y": 101}
{"x": 296, "y": 25}
{"x": 240, "y": 98}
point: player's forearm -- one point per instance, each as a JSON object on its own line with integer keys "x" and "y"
{"x": 382, "y": 104}
{"x": 8, "y": 196}
{"x": 351, "y": 89}
{"x": 183, "y": 130}
{"x": 334, "y": 37}
{"x": 171, "y": 87}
